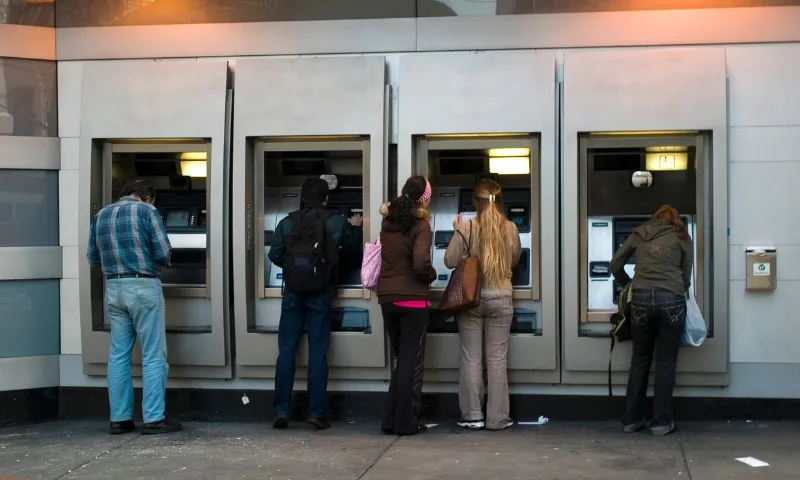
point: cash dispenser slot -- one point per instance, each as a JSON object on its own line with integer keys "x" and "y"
{"x": 523, "y": 321}
{"x": 442, "y": 239}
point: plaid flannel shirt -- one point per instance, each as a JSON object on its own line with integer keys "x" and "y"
{"x": 128, "y": 237}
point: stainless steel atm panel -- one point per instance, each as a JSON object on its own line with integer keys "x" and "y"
{"x": 182, "y": 173}
{"x": 280, "y": 167}
{"x": 298, "y": 118}
{"x": 611, "y": 207}
{"x": 454, "y": 165}
{"x": 132, "y": 112}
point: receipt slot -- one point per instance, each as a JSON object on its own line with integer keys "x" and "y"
{"x": 761, "y": 268}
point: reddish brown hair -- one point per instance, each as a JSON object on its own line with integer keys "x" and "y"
{"x": 669, "y": 215}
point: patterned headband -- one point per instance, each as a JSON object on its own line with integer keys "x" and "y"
{"x": 426, "y": 195}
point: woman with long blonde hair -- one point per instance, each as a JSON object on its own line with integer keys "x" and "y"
{"x": 494, "y": 241}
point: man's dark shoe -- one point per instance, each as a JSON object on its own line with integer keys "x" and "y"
{"x": 320, "y": 423}
{"x": 117, "y": 428}
{"x": 280, "y": 422}
{"x": 163, "y": 426}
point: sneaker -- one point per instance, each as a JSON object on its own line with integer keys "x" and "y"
{"x": 281, "y": 422}
{"x": 117, "y": 428}
{"x": 320, "y": 423}
{"x": 471, "y": 424}
{"x": 661, "y": 430}
{"x": 503, "y": 425}
{"x": 163, "y": 426}
{"x": 634, "y": 427}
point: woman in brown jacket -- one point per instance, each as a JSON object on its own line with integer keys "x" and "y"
{"x": 484, "y": 331}
{"x": 403, "y": 286}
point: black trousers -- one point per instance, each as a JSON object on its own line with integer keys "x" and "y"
{"x": 658, "y": 319}
{"x": 407, "y": 328}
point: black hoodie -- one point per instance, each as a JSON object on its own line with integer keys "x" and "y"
{"x": 663, "y": 258}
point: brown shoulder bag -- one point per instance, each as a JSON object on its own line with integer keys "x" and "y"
{"x": 463, "y": 291}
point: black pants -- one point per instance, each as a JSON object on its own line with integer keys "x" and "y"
{"x": 658, "y": 319}
{"x": 407, "y": 328}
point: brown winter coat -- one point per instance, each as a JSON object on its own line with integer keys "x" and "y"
{"x": 406, "y": 270}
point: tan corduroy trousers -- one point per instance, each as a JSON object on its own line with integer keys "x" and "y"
{"x": 487, "y": 325}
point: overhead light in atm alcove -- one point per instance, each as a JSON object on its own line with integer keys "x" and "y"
{"x": 509, "y": 152}
{"x": 666, "y": 161}
{"x": 194, "y": 156}
{"x": 510, "y": 161}
{"x": 194, "y": 168}
{"x": 510, "y": 165}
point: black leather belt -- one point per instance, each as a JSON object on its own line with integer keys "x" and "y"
{"x": 129, "y": 275}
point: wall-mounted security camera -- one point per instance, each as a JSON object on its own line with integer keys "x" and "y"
{"x": 642, "y": 179}
{"x": 332, "y": 180}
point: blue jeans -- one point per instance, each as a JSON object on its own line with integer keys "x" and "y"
{"x": 311, "y": 312}
{"x": 135, "y": 308}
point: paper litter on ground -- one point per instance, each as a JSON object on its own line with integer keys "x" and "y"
{"x": 542, "y": 420}
{"x": 753, "y": 462}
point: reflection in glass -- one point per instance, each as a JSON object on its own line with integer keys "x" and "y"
{"x": 448, "y": 8}
{"x": 30, "y": 321}
{"x": 28, "y": 103}
{"x": 28, "y": 208}
{"x": 36, "y": 13}
{"x": 94, "y": 13}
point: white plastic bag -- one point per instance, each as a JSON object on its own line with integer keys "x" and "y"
{"x": 696, "y": 330}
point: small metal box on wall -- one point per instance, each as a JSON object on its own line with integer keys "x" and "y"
{"x": 761, "y": 268}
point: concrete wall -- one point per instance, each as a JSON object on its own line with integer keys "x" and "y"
{"x": 30, "y": 254}
{"x": 764, "y": 152}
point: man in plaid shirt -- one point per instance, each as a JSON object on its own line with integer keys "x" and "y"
{"x": 128, "y": 240}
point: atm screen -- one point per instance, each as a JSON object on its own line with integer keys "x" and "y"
{"x": 178, "y": 218}
{"x": 519, "y": 216}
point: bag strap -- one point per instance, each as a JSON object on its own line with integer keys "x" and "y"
{"x": 610, "y": 356}
{"x": 469, "y": 244}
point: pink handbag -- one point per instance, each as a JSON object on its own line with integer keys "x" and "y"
{"x": 371, "y": 265}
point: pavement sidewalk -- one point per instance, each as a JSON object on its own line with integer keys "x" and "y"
{"x": 557, "y": 451}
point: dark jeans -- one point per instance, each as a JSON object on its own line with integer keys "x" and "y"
{"x": 658, "y": 318}
{"x": 312, "y": 312}
{"x": 407, "y": 328}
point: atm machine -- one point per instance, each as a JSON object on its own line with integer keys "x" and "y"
{"x": 283, "y": 175}
{"x": 625, "y": 185}
{"x": 623, "y": 178}
{"x": 454, "y": 165}
{"x": 180, "y": 171}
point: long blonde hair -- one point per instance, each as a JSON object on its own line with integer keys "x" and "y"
{"x": 494, "y": 245}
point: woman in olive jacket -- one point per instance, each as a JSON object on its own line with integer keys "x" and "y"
{"x": 664, "y": 259}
